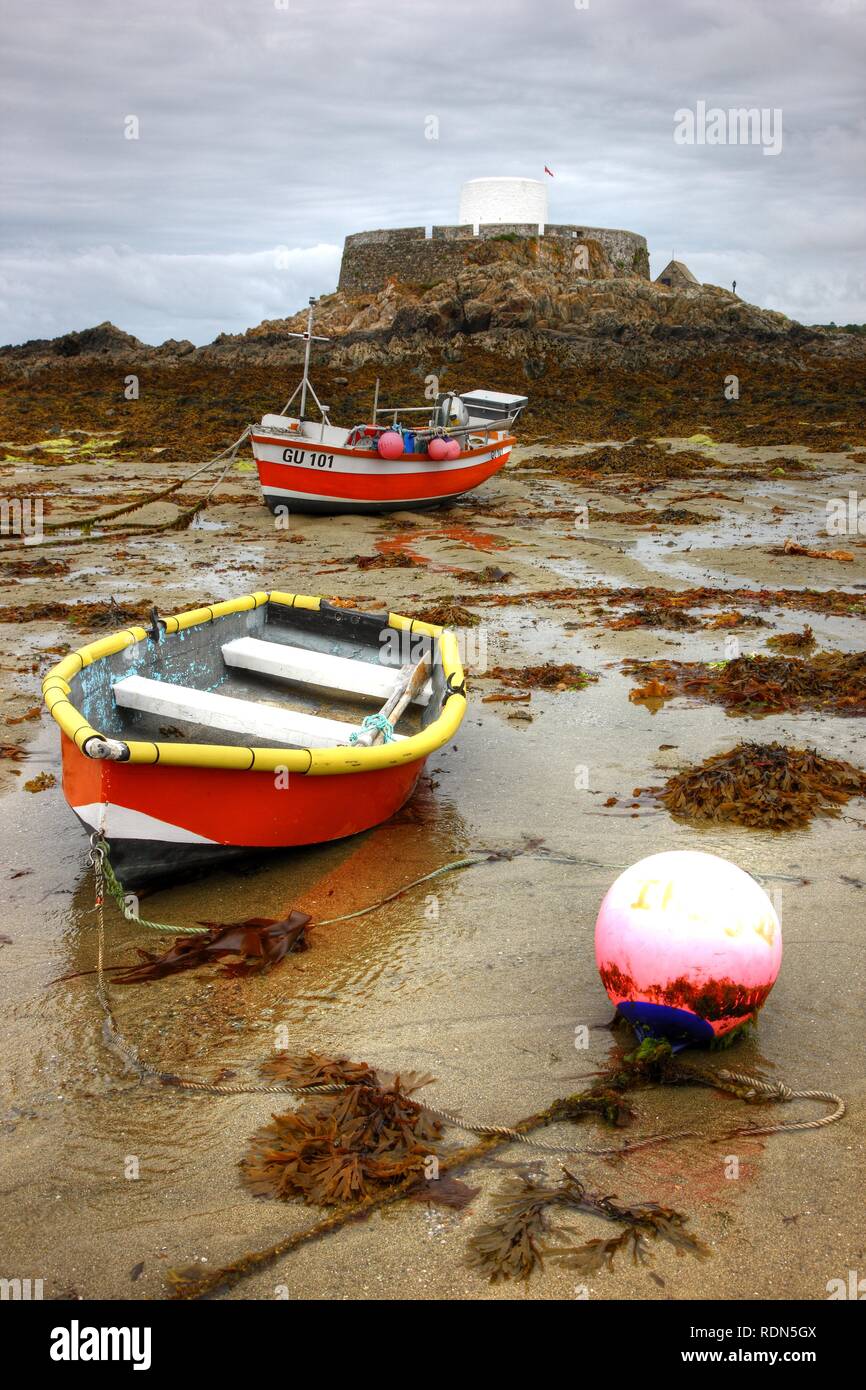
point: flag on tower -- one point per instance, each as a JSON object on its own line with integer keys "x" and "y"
{"x": 548, "y": 171}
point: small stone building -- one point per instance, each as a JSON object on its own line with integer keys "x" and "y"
{"x": 677, "y": 276}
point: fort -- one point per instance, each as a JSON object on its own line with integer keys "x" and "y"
{"x": 496, "y": 209}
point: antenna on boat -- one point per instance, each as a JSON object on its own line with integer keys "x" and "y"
{"x": 305, "y": 384}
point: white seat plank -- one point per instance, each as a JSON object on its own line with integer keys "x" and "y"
{"x": 267, "y": 723}
{"x": 337, "y": 674}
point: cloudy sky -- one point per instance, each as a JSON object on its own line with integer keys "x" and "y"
{"x": 268, "y": 129}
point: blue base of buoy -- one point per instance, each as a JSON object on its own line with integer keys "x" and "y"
{"x": 678, "y": 1026}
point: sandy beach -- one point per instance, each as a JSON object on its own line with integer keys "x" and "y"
{"x": 482, "y": 977}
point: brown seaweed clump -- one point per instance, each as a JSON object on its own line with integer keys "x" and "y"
{"x": 833, "y": 681}
{"x": 546, "y": 677}
{"x": 654, "y": 516}
{"x": 396, "y": 559}
{"x": 251, "y": 947}
{"x": 88, "y": 616}
{"x": 337, "y": 1149}
{"x": 675, "y": 619}
{"x": 640, "y": 458}
{"x": 793, "y": 641}
{"x": 446, "y": 613}
{"x": 522, "y": 1232}
{"x": 766, "y": 786}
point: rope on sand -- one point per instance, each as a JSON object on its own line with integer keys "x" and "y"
{"x": 738, "y": 1083}
{"x": 114, "y": 533}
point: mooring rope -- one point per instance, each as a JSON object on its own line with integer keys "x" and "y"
{"x": 738, "y": 1083}
{"x": 378, "y": 722}
{"x": 777, "y": 1090}
{"x": 125, "y": 900}
{"x": 97, "y": 518}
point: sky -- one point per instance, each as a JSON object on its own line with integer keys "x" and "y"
{"x": 267, "y": 130}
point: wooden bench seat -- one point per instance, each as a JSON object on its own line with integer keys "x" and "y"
{"x": 266, "y": 724}
{"x": 337, "y": 674}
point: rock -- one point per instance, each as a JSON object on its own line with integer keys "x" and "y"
{"x": 526, "y": 299}
{"x": 174, "y": 348}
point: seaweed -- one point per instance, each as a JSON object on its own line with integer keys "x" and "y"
{"x": 712, "y": 999}
{"x": 13, "y": 751}
{"x": 84, "y": 615}
{"x": 639, "y": 457}
{"x": 546, "y": 677}
{"x": 653, "y": 695}
{"x": 315, "y": 1069}
{"x": 446, "y": 613}
{"x": 197, "y": 403}
{"x": 42, "y": 782}
{"x": 794, "y": 548}
{"x": 653, "y": 597}
{"x": 40, "y": 568}
{"x": 337, "y": 1149}
{"x": 652, "y": 516}
{"x": 258, "y": 943}
{"x": 673, "y": 618}
{"x": 767, "y": 684}
{"x": 764, "y": 786}
{"x": 670, "y": 616}
{"x": 793, "y": 641}
{"x": 396, "y": 559}
{"x": 652, "y": 1062}
{"x": 523, "y": 1231}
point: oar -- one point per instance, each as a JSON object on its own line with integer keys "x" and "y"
{"x": 411, "y": 683}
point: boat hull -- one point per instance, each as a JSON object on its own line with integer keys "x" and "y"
{"x": 161, "y": 821}
{"x": 169, "y": 804}
{"x": 305, "y": 476}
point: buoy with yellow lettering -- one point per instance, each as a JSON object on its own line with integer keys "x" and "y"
{"x": 688, "y": 946}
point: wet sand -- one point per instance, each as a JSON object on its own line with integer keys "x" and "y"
{"x": 487, "y": 994}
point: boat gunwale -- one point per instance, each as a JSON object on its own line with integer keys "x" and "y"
{"x": 508, "y": 441}
{"x": 56, "y": 690}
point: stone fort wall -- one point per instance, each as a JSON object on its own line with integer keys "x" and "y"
{"x": 370, "y": 258}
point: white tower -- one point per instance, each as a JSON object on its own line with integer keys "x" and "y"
{"x": 503, "y": 200}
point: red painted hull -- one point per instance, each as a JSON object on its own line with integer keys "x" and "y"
{"x": 158, "y": 818}
{"x": 305, "y": 476}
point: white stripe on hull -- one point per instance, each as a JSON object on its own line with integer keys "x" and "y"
{"x": 120, "y": 823}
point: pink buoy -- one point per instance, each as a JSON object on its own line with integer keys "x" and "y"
{"x": 688, "y": 946}
{"x": 438, "y": 449}
{"x": 390, "y": 445}
{"x": 453, "y": 449}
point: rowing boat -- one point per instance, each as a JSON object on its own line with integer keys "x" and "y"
{"x": 260, "y": 723}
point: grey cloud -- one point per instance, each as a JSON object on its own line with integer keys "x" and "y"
{"x": 263, "y": 126}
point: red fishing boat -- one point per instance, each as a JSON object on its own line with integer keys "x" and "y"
{"x": 404, "y": 457}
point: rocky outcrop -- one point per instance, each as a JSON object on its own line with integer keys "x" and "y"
{"x": 519, "y": 305}
{"x": 104, "y": 343}
{"x": 519, "y": 299}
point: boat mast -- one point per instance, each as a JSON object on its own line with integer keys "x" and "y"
{"x": 308, "y": 337}
{"x": 305, "y": 384}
